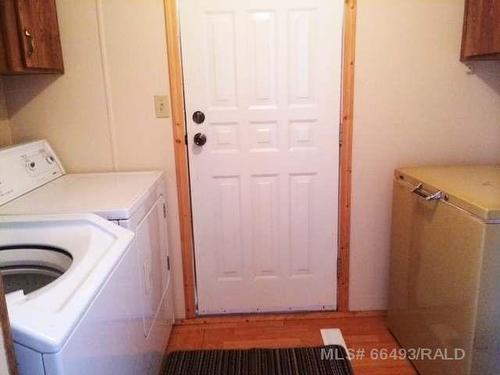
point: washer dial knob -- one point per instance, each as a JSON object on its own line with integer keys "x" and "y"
{"x": 30, "y": 165}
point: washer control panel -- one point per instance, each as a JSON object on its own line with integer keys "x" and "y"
{"x": 25, "y": 167}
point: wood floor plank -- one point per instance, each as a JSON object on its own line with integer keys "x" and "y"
{"x": 362, "y": 332}
{"x": 181, "y": 339}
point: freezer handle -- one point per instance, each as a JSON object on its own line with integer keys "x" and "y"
{"x": 426, "y": 195}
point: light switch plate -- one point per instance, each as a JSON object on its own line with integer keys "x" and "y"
{"x": 162, "y": 106}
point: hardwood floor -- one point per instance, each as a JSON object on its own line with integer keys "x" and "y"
{"x": 361, "y": 331}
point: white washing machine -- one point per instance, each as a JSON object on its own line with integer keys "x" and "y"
{"x": 33, "y": 182}
{"x": 71, "y": 284}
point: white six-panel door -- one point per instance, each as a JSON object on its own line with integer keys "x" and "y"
{"x": 266, "y": 74}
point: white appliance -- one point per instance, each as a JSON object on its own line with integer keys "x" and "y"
{"x": 32, "y": 182}
{"x": 64, "y": 276}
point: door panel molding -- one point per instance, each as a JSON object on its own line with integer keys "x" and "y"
{"x": 181, "y": 159}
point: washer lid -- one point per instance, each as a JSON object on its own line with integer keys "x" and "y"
{"x": 44, "y": 319}
{"x": 114, "y": 196}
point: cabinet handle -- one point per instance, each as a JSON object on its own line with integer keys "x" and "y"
{"x": 426, "y": 195}
{"x": 31, "y": 41}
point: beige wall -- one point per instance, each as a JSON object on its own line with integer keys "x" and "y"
{"x": 5, "y": 133}
{"x": 99, "y": 115}
{"x": 415, "y": 104}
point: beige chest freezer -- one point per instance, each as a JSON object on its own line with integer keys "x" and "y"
{"x": 445, "y": 268}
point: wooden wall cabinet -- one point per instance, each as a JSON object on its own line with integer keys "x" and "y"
{"x": 481, "y": 34}
{"x": 30, "y": 41}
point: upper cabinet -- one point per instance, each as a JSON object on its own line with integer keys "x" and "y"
{"x": 30, "y": 41}
{"x": 481, "y": 36}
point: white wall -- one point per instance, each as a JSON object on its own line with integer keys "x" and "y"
{"x": 5, "y": 133}
{"x": 415, "y": 104}
{"x": 99, "y": 115}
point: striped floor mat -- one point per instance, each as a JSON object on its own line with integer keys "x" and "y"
{"x": 324, "y": 360}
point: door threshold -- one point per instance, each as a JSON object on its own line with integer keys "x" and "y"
{"x": 253, "y": 317}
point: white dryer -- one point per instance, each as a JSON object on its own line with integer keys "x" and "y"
{"x": 33, "y": 181}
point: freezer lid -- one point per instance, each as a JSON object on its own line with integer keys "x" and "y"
{"x": 475, "y": 189}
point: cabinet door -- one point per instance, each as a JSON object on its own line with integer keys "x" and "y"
{"x": 481, "y": 38}
{"x": 39, "y": 32}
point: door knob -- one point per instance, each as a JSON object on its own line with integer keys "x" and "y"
{"x": 199, "y": 117}
{"x": 200, "y": 139}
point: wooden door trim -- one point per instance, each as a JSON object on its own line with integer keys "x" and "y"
{"x": 180, "y": 151}
{"x": 347, "y": 110}
{"x": 181, "y": 158}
